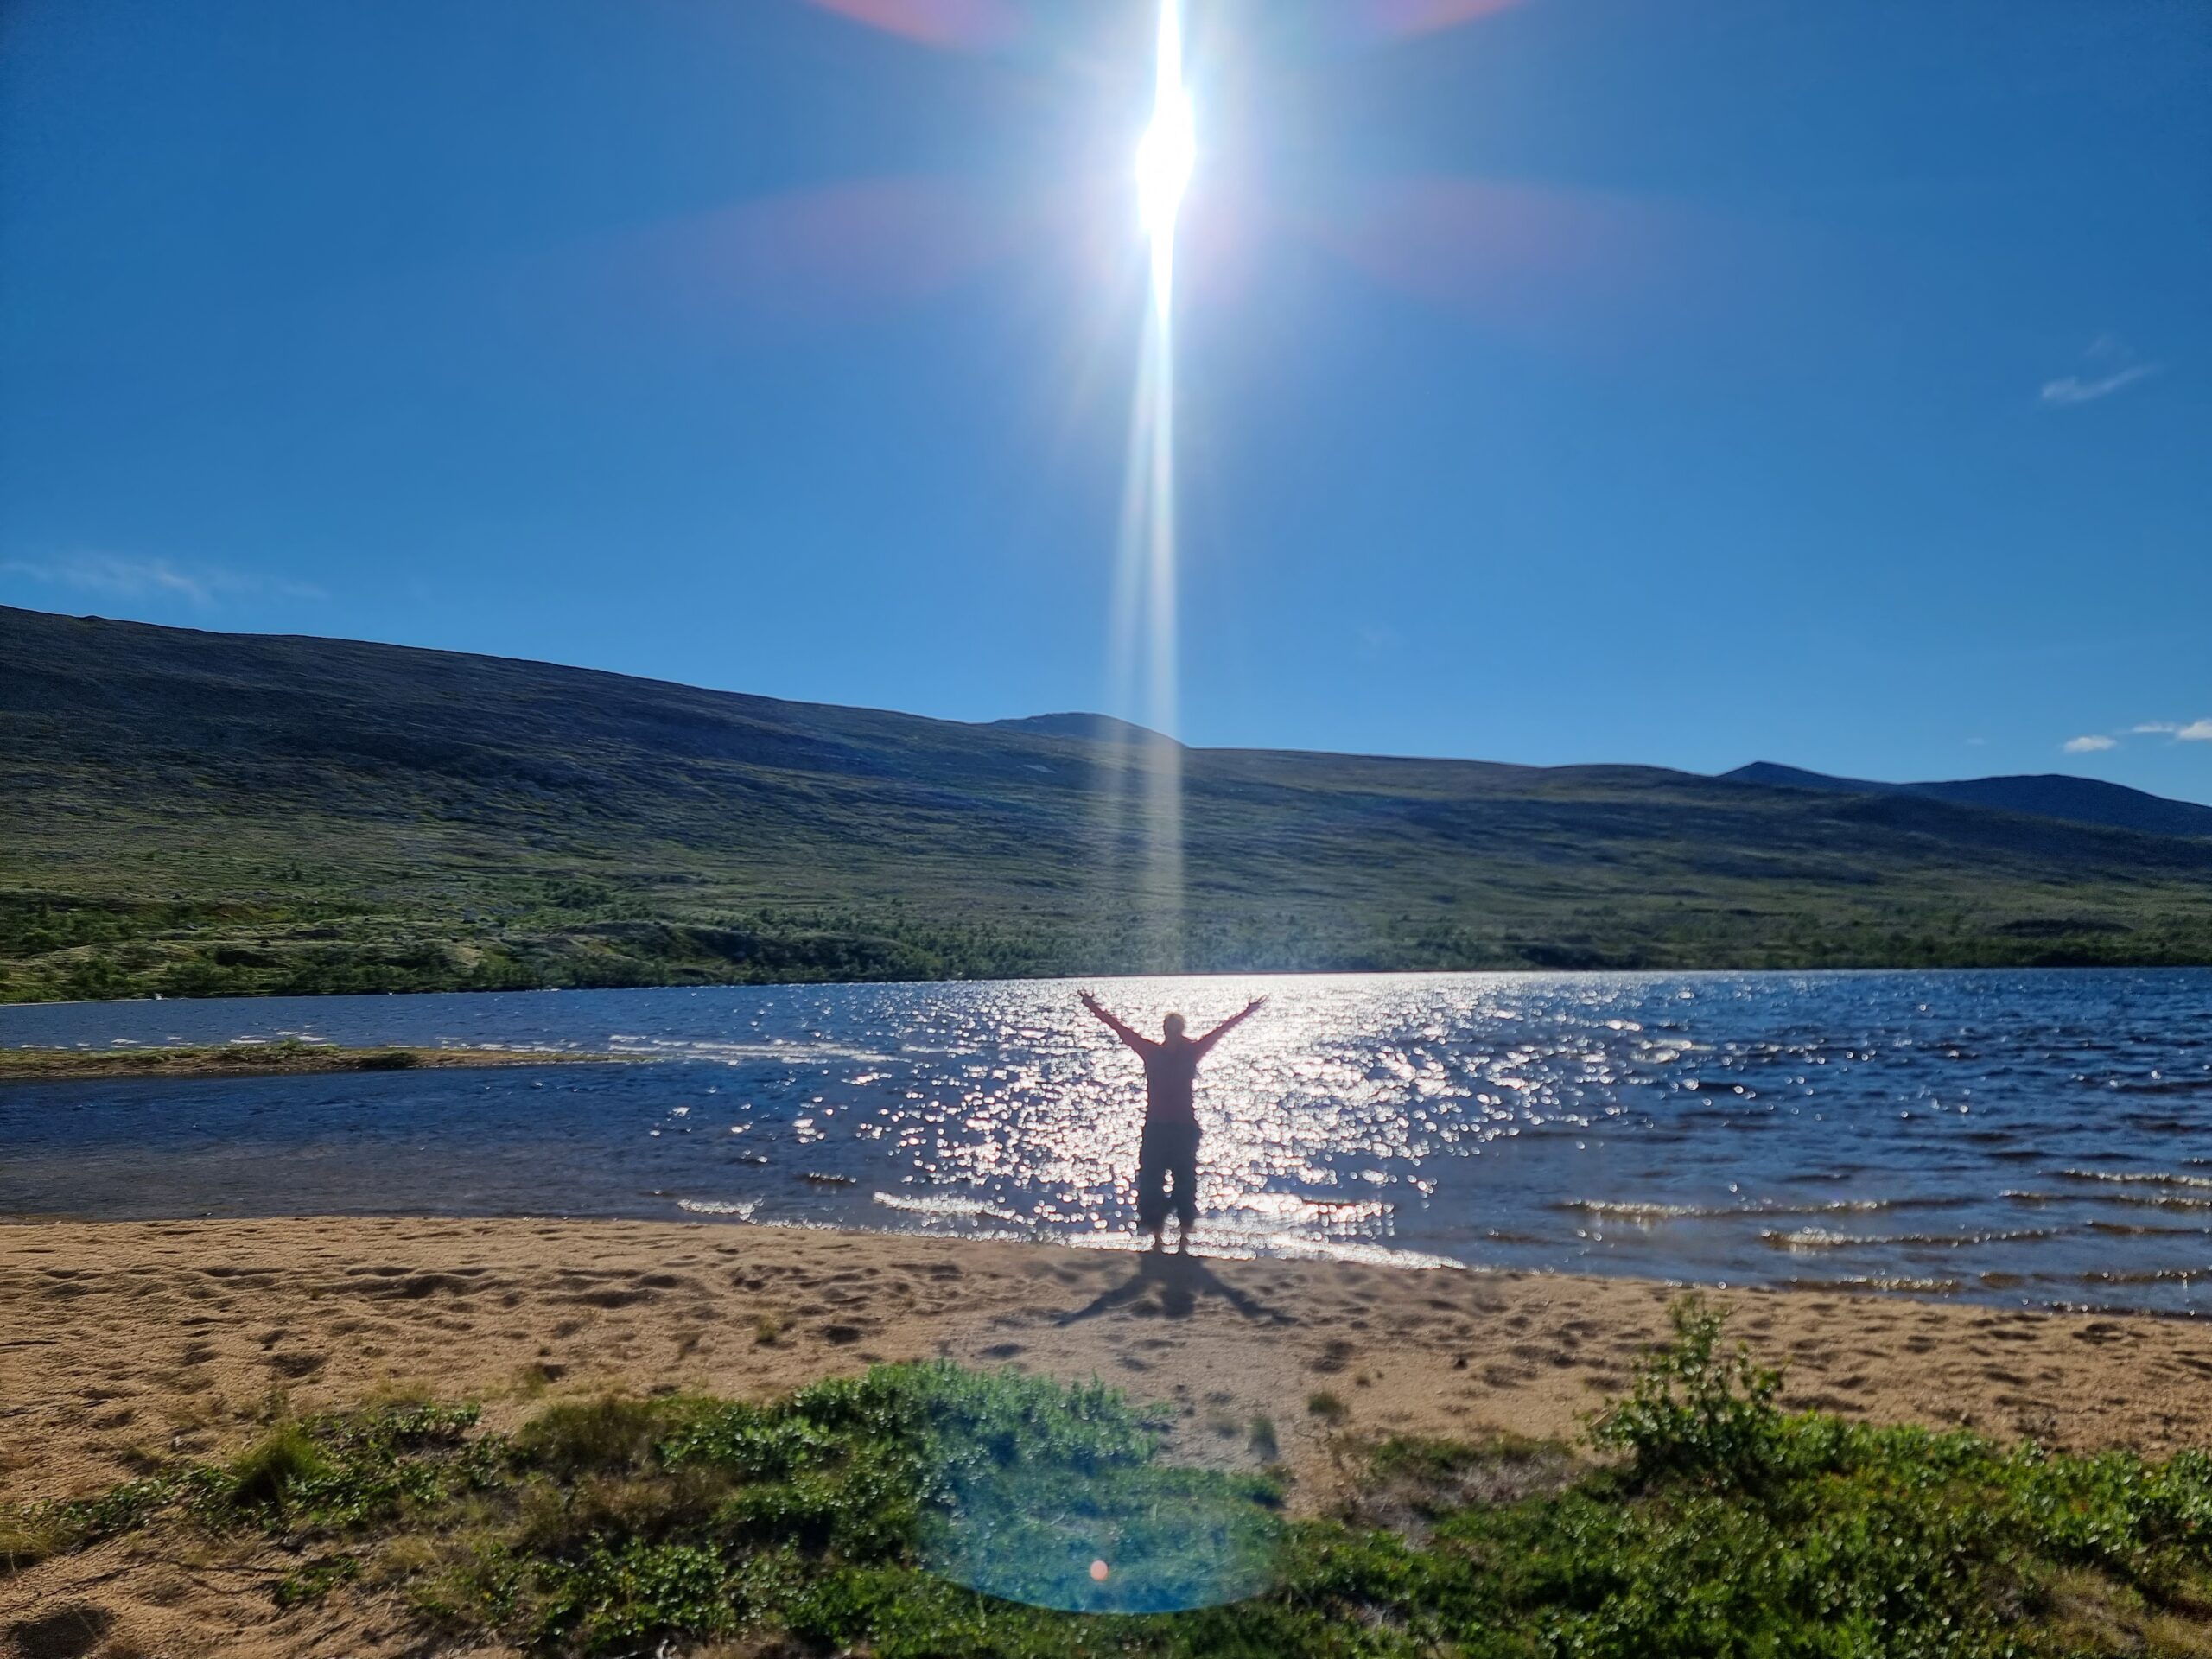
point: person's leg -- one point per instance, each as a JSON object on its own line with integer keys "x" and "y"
{"x": 1152, "y": 1188}
{"x": 1187, "y": 1186}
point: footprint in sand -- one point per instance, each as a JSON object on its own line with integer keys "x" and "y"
{"x": 1335, "y": 1355}
{"x": 613, "y": 1297}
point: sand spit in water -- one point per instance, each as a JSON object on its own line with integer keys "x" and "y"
{"x": 264, "y": 1060}
{"x": 122, "y": 1340}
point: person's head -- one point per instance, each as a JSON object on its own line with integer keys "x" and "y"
{"x": 1173, "y": 1025}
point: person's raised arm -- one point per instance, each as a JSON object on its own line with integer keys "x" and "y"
{"x": 1120, "y": 1030}
{"x": 1228, "y": 1024}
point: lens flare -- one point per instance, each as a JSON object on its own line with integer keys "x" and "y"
{"x": 970, "y": 24}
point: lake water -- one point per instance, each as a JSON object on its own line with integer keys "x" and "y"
{"x": 2042, "y": 1138}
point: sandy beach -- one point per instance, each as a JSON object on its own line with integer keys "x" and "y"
{"x": 128, "y": 1338}
{"x": 125, "y": 1343}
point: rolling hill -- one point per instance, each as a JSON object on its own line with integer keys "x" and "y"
{"x": 2051, "y": 795}
{"x": 197, "y": 813}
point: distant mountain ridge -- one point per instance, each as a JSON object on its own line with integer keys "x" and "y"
{"x": 1094, "y": 729}
{"x": 198, "y": 813}
{"x": 2049, "y": 795}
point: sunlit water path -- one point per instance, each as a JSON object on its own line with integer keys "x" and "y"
{"x": 2042, "y": 1138}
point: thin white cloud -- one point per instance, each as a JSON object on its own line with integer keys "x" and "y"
{"x": 105, "y": 573}
{"x": 2091, "y": 745}
{"x": 2153, "y": 728}
{"x": 2197, "y": 731}
{"x": 118, "y": 576}
{"x": 2073, "y": 389}
{"x": 2186, "y": 731}
{"x": 2111, "y": 367}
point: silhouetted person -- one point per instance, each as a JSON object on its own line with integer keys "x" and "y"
{"x": 1170, "y": 1149}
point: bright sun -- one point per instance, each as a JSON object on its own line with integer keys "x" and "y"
{"x": 1169, "y": 150}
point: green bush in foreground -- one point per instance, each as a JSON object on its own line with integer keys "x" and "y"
{"x": 876, "y": 1512}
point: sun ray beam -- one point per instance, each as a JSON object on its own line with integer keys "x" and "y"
{"x": 1145, "y": 599}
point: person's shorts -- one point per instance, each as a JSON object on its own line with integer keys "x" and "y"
{"x": 1168, "y": 1158}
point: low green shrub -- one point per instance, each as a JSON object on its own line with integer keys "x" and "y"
{"x": 1697, "y": 1410}
{"x": 612, "y": 1435}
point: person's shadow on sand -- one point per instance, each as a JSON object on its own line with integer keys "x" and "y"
{"x": 1180, "y": 1280}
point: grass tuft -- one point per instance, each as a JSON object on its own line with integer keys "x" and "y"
{"x": 611, "y": 1436}
{"x": 273, "y": 1468}
{"x": 316, "y": 1579}
{"x": 25, "y": 1539}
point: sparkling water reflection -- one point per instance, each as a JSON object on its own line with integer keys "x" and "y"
{"x": 2040, "y": 1137}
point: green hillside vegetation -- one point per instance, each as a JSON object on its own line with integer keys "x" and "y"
{"x": 197, "y": 814}
{"x": 923, "y": 1511}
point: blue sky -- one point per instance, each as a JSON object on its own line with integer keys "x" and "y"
{"x": 1562, "y": 381}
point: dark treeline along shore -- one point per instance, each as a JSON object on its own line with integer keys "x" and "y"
{"x": 199, "y": 814}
